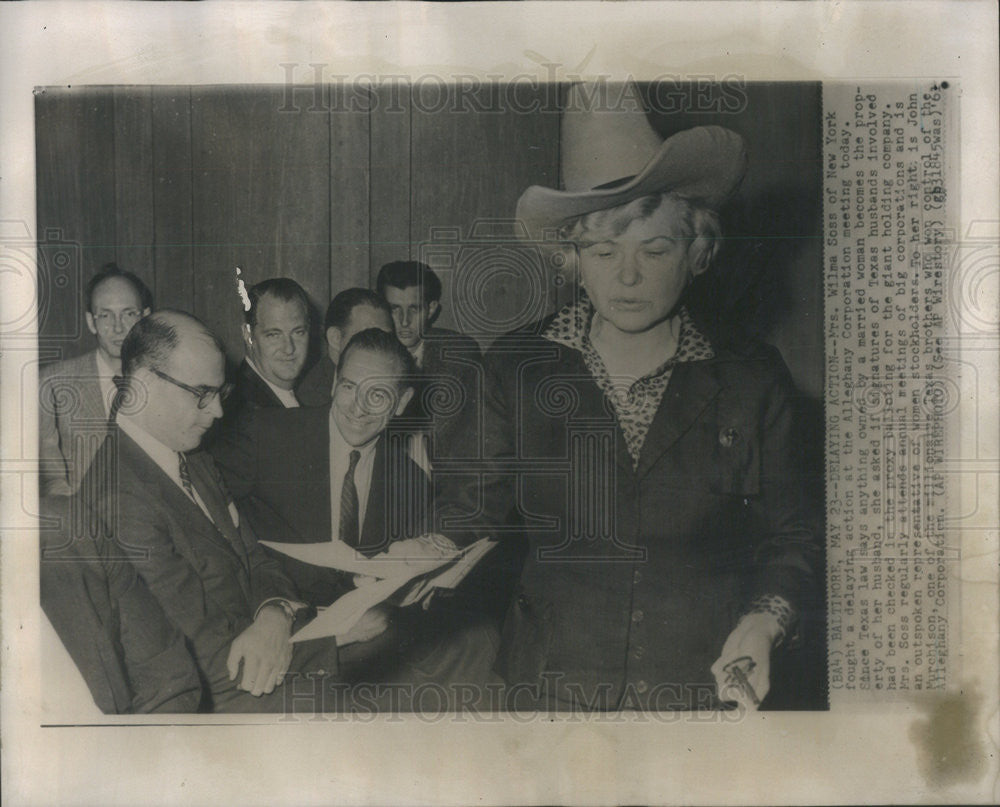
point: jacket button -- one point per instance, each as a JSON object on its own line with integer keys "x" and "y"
{"x": 638, "y": 652}
{"x": 637, "y": 615}
{"x": 636, "y": 576}
{"x": 641, "y": 687}
{"x": 522, "y": 602}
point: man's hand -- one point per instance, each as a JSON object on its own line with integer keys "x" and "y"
{"x": 743, "y": 670}
{"x": 413, "y": 551}
{"x": 265, "y": 650}
{"x": 373, "y": 622}
{"x": 430, "y": 546}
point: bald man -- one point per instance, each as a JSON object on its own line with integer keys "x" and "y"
{"x": 171, "y": 513}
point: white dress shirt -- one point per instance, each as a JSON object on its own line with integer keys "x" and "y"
{"x": 340, "y": 458}
{"x": 286, "y": 396}
{"x": 167, "y": 460}
{"x": 418, "y": 353}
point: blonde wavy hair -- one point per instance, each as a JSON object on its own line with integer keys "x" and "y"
{"x": 699, "y": 225}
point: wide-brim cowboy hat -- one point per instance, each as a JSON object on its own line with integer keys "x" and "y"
{"x": 611, "y": 155}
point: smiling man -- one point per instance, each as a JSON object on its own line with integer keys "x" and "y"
{"x": 75, "y": 394}
{"x": 340, "y": 473}
{"x": 276, "y": 338}
{"x": 292, "y": 471}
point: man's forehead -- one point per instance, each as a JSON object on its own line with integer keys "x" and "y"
{"x": 115, "y": 290}
{"x": 366, "y": 316}
{"x": 410, "y": 295}
{"x": 270, "y": 307}
{"x": 362, "y": 364}
{"x": 197, "y": 358}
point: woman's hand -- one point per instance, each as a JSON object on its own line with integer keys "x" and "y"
{"x": 743, "y": 670}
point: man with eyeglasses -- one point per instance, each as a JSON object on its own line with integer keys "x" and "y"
{"x": 75, "y": 394}
{"x": 163, "y": 504}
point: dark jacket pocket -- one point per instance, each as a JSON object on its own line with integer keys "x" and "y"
{"x": 527, "y": 635}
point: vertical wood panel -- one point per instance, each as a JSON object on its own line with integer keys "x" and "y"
{"x": 390, "y": 176}
{"x": 172, "y": 215}
{"x": 133, "y": 148}
{"x": 469, "y": 168}
{"x": 350, "y": 175}
{"x": 261, "y": 199}
{"x": 767, "y": 282}
{"x": 75, "y": 205}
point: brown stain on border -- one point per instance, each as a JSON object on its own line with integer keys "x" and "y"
{"x": 949, "y": 740}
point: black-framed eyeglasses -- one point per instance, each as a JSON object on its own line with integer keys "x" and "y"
{"x": 203, "y": 394}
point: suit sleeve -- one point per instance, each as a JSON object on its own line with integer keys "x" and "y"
{"x": 787, "y": 555}
{"x": 53, "y": 473}
{"x": 267, "y": 579}
{"x": 202, "y": 613}
{"x": 113, "y": 627}
{"x": 473, "y": 498}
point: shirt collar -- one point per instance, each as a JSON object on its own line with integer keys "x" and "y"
{"x": 571, "y": 327}
{"x": 104, "y": 367}
{"x": 418, "y": 353}
{"x": 286, "y": 396}
{"x": 165, "y": 457}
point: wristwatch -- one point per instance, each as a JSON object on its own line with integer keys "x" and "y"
{"x": 285, "y": 606}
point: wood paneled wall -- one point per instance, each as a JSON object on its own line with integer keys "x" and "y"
{"x": 182, "y": 184}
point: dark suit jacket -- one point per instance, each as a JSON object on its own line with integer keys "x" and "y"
{"x": 71, "y": 422}
{"x": 209, "y": 580}
{"x": 635, "y": 578}
{"x": 252, "y": 390}
{"x": 451, "y": 380}
{"x": 314, "y": 387}
{"x": 130, "y": 655}
{"x": 277, "y": 465}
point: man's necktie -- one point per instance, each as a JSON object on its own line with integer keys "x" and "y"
{"x": 185, "y": 476}
{"x": 349, "y": 528}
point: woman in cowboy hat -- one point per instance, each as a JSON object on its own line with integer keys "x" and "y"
{"x": 652, "y": 471}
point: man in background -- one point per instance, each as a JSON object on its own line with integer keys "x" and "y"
{"x": 75, "y": 394}
{"x": 276, "y": 338}
{"x": 351, "y": 311}
{"x": 449, "y": 362}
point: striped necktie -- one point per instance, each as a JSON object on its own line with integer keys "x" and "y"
{"x": 350, "y": 532}
{"x": 185, "y": 476}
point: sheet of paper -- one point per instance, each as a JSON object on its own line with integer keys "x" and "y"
{"x": 342, "y": 615}
{"x": 337, "y": 555}
{"x": 339, "y": 618}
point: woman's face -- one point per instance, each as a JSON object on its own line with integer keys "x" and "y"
{"x": 635, "y": 279}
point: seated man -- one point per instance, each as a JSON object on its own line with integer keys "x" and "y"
{"x": 338, "y": 474}
{"x": 352, "y": 310}
{"x": 449, "y": 361}
{"x": 167, "y": 509}
{"x": 292, "y": 473}
{"x": 75, "y": 394}
{"x": 131, "y": 657}
{"x": 276, "y": 338}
